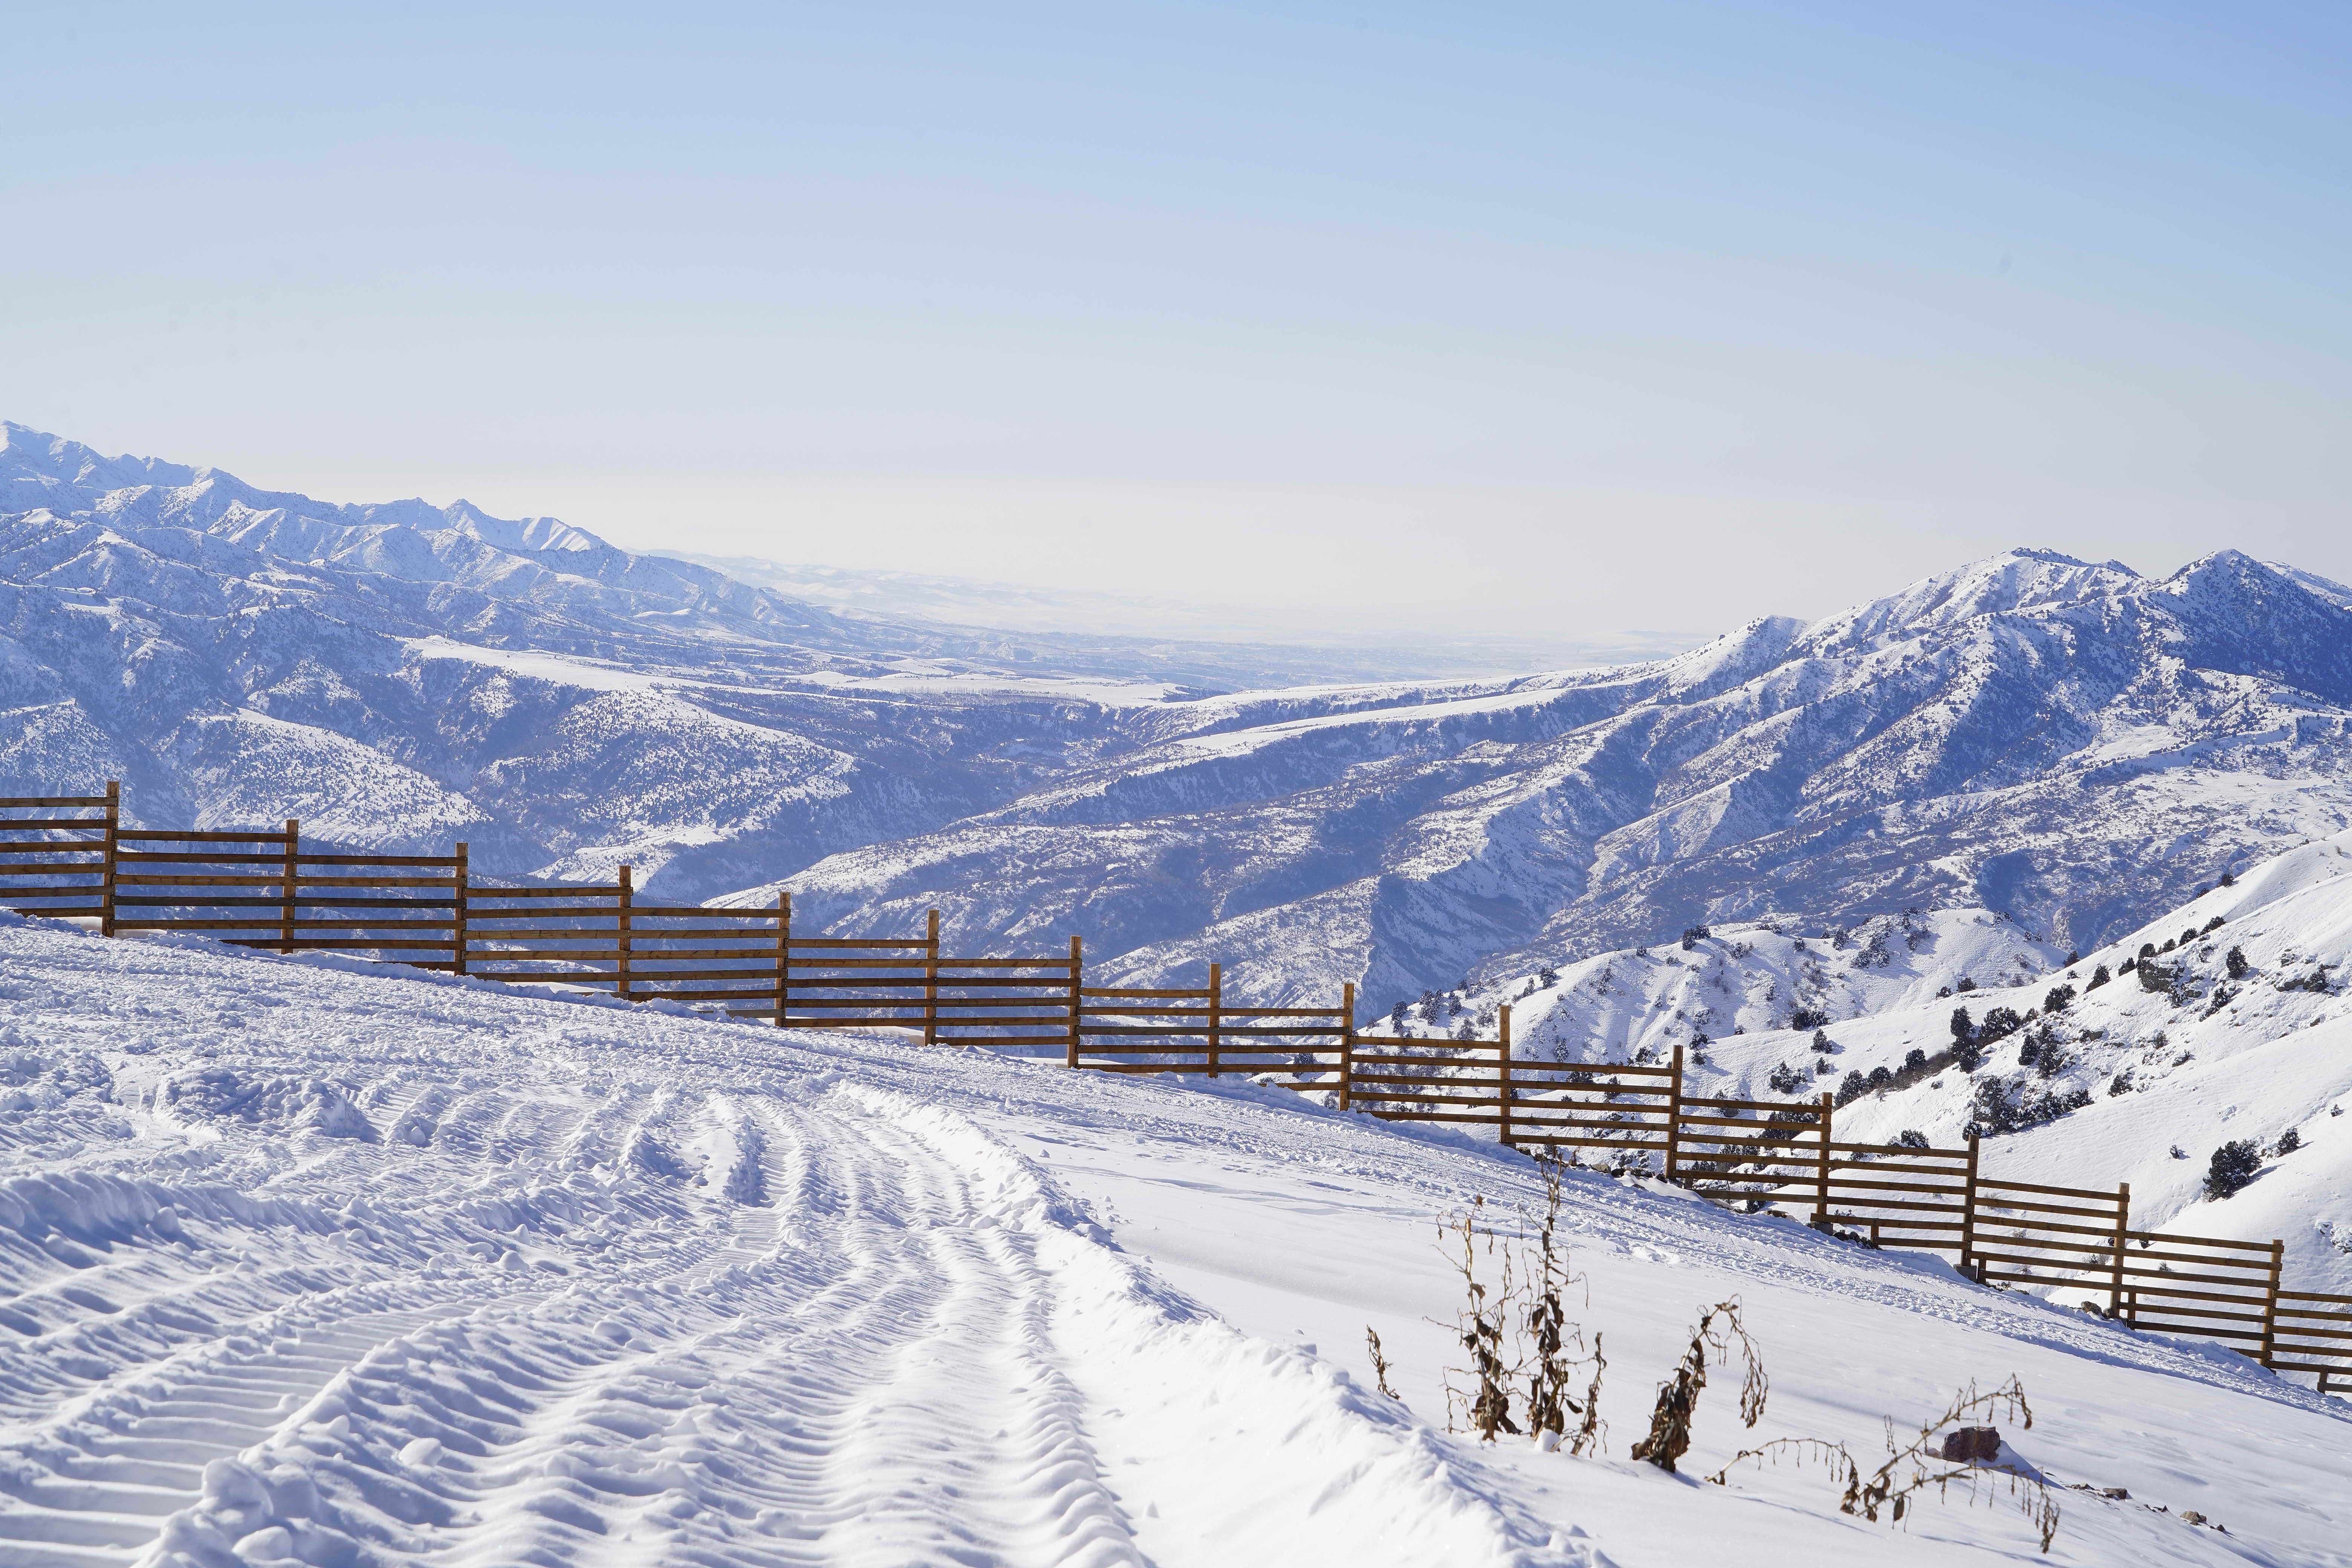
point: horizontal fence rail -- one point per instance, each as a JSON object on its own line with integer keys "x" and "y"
{"x": 71, "y": 857}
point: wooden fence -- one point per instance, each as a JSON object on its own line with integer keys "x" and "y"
{"x": 71, "y": 857}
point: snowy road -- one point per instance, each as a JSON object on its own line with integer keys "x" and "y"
{"x": 302, "y": 1265}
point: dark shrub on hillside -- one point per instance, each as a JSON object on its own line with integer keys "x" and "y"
{"x": 2099, "y": 977}
{"x": 1786, "y": 1079}
{"x": 2153, "y": 977}
{"x": 1999, "y": 1025}
{"x": 2012, "y": 1104}
{"x": 1854, "y": 1087}
{"x": 2058, "y": 999}
{"x": 1912, "y": 1138}
{"x": 1963, "y": 1027}
{"x": 1916, "y": 1061}
{"x": 2237, "y": 963}
{"x": 2289, "y": 1142}
{"x": 1808, "y": 1018}
{"x": 2235, "y": 1166}
{"x": 1822, "y": 1042}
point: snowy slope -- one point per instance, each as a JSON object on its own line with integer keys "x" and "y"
{"x": 304, "y": 1264}
{"x": 1643, "y": 1002}
{"x": 2205, "y": 1059}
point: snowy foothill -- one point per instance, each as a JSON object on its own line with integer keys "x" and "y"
{"x": 302, "y": 1262}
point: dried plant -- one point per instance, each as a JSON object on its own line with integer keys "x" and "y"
{"x": 1910, "y": 1468}
{"x": 1591, "y": 1430}
{"x": 1551, "y": 1341}
{"x": 1380, "y": 1365}
{"x": 1719, "y": 1330}
{"x": 1484, "y": 1404}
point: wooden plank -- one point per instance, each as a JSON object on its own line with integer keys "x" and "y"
{"x": 1900, "y": 1151}
{"x": 32, "y": 802}
{"x": 575, "y": 891}
{"x": 2170, "y": 1239}
{"x": 174, "y": 835}
{"x": 2025, "y": 1206}
{"x": 2077, "y": 1193}
{"x": 1810, "y": 1110}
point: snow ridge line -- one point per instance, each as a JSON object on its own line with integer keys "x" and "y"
{"x": 1173, "y": 1380}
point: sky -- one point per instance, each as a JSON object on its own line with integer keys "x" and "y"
{"x": 1538, "y": 320}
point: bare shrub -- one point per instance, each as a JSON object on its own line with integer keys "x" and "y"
{"x": 1379, "y": 1365}
{"x": 1910, "y": 1468}
{"x": 1719, "y": 1330}
{"x": 1478, "y": 1396}
{"x": 1553, "y": 1340}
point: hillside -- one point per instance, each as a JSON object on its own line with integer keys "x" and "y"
{"x": 2012, "y": 736}
{"x": 300, "y": 1264}
{"x": 2200, "y": 1058}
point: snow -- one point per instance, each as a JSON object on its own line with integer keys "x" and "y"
{"x": 2224, "y": 1060}
{"x": 307, "y": 1263}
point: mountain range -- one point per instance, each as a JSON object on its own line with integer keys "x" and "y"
{"x": 2072, "y": 746}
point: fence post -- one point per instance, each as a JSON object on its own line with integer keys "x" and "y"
{"x": 2123, "y": 1224}
{"x": 1077, "y": 969}
{"x": 113, "y": 849}
{"x": 1822, "y": 1171}
{"x": 1347, "y": 1043}
{"x": 1216, "y": 1013}
{"x": 286, "y": 897}
{"x": 621, "y": 937}
{"x": 2270, "y": 1301}
{"x": 1675, "y": 1115}
{"x": 783, "y": 953}
{"x": 931, "y": 981}
{"x": 1503, "y": 1061}
{"x": 1969, "y": 1214}
{"x": 460, "y": 875}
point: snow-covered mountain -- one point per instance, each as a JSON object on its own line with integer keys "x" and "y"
{"x": 402, "y": 675}
{"x": 2071, "y": 745}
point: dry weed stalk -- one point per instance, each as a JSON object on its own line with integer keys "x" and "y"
{"x": 1380, "y": 1365}
{"x": 1592, "y": 1431}
{"x": 1485, "y": 1404}
{"x": 1910, "y": 1470}
{"x": 1550, "y": 1335}
{"x": 1719, "y": 1330}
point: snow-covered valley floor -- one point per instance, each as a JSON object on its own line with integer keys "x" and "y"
{"x": 303, "y": 1264}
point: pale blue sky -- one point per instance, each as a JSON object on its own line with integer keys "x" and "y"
{"x": 1554, "y": 317}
